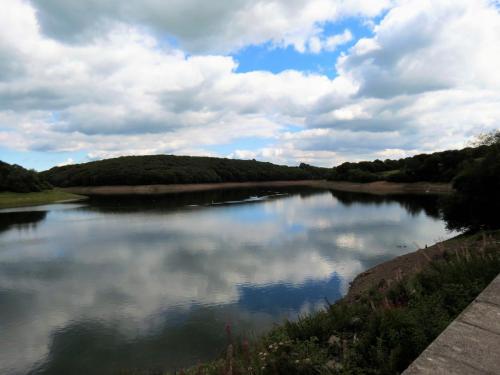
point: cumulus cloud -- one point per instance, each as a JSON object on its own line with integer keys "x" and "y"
{"x": 112, "y": 79}
{"x": 422, "y": 46}
{"x": 222, "y": 25}
{"x": 331, "y": 43}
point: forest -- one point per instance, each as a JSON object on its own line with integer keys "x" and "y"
{"x": 20, "y": 180}
{"x": 475, "y": 204}
{"x": 170, "y": 169}
{"x": 436, "y": 167}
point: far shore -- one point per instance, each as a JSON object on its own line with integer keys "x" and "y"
{"x": 379, "y": 187}
{"x": 59, "y": 195}
{"x": 15, "y": 200}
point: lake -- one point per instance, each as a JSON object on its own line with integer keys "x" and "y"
{"x": 155, "y": 283}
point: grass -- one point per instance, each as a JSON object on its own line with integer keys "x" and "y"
{"x": 8, "y": 199}
{"x": 382, "y": 333}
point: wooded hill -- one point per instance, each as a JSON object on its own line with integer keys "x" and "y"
{"x": 436, "y": 167}
{"x": 170, "y": 169}
{"x": 17, "y": 179}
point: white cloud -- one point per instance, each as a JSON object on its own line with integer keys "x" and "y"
{"x": 331, "y": 43}
{"x": 315, "y": 44}
{"x": 421, "y": 46}
{"x": 222, "y": 25}
{"x": 426, "y": 80}
{"x": 68, "y": 161}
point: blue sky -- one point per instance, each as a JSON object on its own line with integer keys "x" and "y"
{"x": 275, "y": 59}
{"x": 315, "y": 81}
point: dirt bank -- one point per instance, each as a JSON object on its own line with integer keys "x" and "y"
{"x": 384, "y": 274}
{"x": 381, "y": 187}
{"x": 384, "y": 187}
{"x": 179, "y": 188}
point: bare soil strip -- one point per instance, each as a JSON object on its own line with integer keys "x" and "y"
{"x": 384, "y": 274}
{"x": 380, "y": 187}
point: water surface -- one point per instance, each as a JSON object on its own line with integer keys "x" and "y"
{"x": 130, "y": 283}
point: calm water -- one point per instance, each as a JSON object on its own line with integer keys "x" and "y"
{"x": 151, "y": 284}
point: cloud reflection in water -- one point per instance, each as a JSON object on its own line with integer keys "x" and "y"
{"x": 110, "y": 285}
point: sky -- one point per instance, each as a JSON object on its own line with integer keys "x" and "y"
{"x": 286, "y": 81}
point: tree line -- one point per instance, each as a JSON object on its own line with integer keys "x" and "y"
{"x": 170, "y": 169}
{"x": 475, "y": 204}
{"x": 436, "y": 167}
{"x": 20, "y": 180}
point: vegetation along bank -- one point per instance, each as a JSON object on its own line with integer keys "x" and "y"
{"x": 21, "y": 187}
{"x": 10, "y": 200}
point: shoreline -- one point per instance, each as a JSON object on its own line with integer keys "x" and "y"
{"x": 18, "y": 200}
{"x": 386, "y": 273}
{"x": 379, "y": 187}
{"x": 57, "y": 195}
{"x": 385, "y": 187}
